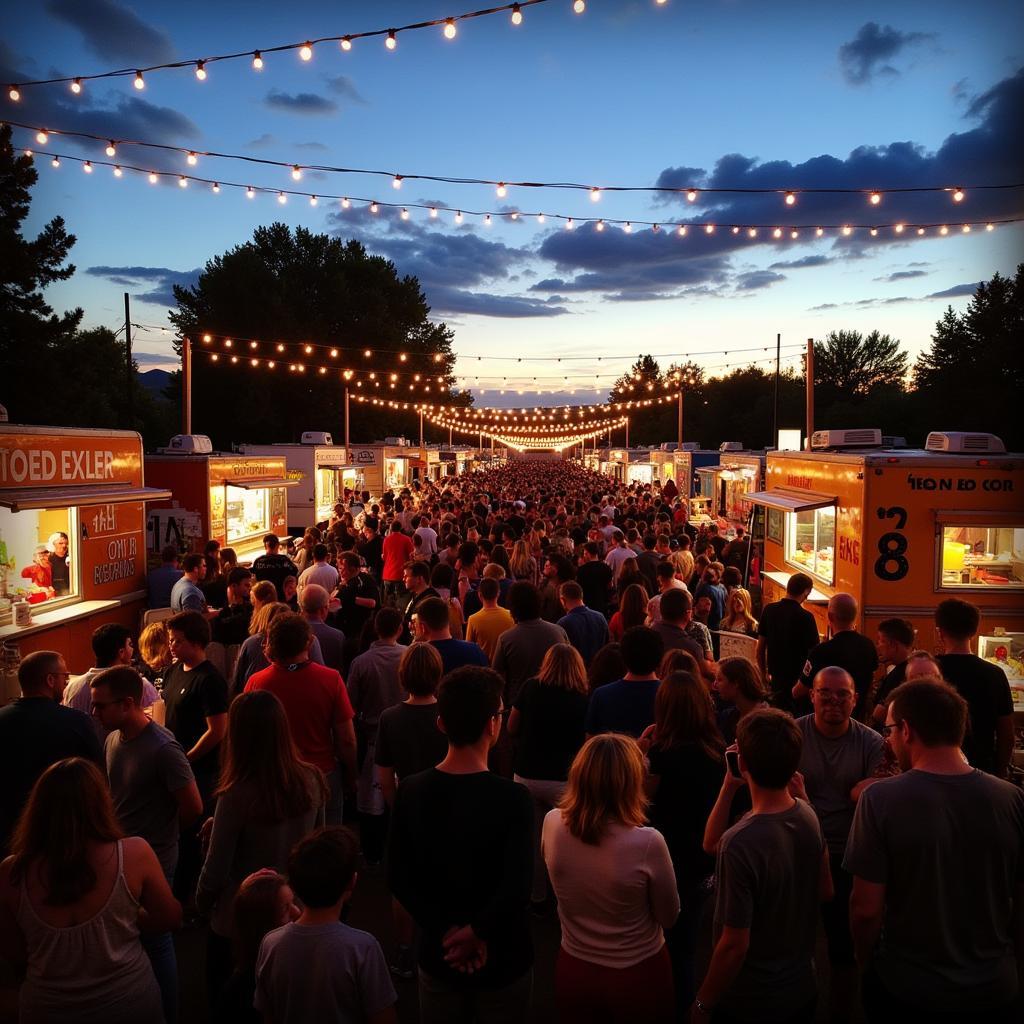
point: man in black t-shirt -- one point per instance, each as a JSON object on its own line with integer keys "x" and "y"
{"x": 786, "y": 633}
{"x": 594, "y": 575}
{"x": 988, "y": 743}
{"x": 460, "y": 862}
{"x": 893, "y": 642}
{"x": 359, "y": 600}
{"x": 274, "y": 566}
{"x": 846, "y": 649}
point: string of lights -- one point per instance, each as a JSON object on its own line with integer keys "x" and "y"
{"x": 296, "y": 169}
{"x": 304, "y": 48}
{"x": 681, "y": 229}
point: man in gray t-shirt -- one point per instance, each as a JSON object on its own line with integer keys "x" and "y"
{"x": 937, "y": 856}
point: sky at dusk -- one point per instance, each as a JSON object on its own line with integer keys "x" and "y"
{"x": 730, "y": 94}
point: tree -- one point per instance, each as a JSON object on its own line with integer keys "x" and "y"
{"x": 972, "y": 376}
{"x": 849, "y": 366}
{"x": 300, "y": 287}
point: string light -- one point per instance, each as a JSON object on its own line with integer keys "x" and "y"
{"x": 579, "y": 6}
{"x": 501, "y": 190}
{"x": 76, "y": 86}
{"x": 517, "y": 15}
{"x": 201, "y": 70}
{"x": 87, "y": 167}
{"x": 257, "y": 60}
{"x": 392, "y": 40}
{"x": 396, "y": 181}
{"x": 140, "y": 82}
{"x": 449, "y": 28}
{"x": 958, "y": 195}
{"x": 153, "y": 179}
{"x": 790, "y": 199}
{"x": 282, "y": 198}
{"x": 296, "y": 173}
{"x": 111, "y": 149}
{"x": 875, "y": 198}
{"x": 346, "y": 43}
{"x": 306, "y": 51}
{"x": 118, "y": 172}
{"x": 192, "y": 159}
{"x": 250, "y": 192}
{"x": 41, "y": 138}
{"x": 55, "y": 162}
{"x": 312, "y": 201}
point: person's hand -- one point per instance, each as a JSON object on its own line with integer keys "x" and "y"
{"x": 464, "y": 951}
{"x": 797, "y": 788}
{"x": 646, "y": 738}
{"x": 731, "y": 783}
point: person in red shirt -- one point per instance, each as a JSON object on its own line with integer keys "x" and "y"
{"x": 316, "y": 702}
{"x": 398, "y": 549}
{"x": 40, "y": 575}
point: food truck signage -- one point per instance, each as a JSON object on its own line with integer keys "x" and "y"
{"x": 222, "y": 470}
{"x": 41, "y": 459}
{"x": 947, "y": 483}
{"x": 364, "y": 456}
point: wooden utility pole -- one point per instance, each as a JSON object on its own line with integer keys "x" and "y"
{"x": 775, "y": 401}
{"x": 679, "y": 426}
{"x": 348, "y": 456}
{"x": 186, "y": 385}
{"x": 129, "y": 375}
{"x": 809, "y": 389}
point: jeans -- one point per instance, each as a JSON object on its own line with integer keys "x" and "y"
{"x": 681, "y": 940}
{"x": 545, "y": 793}
{"x": 159, "y": 947}
{"x": 442, "y": 1004}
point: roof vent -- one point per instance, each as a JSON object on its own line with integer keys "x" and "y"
{"x": 864, "y": 438}
{"x": 731, "y": 446}
{"x": 893, "y": 441}
{"x": 961, "y": 441}
{"x": 690, "y": 446}
{"x": 316, "y": 437}
{"x": 398, "y": 442}
{"x": 190, "y": 444}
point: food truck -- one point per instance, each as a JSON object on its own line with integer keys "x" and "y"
{"x": 72, "y": 537}
{"x": 322, "y": 471}
{"x": 224, "y": 496}
{"x": 456, "y": 460}
{"x": 425, "y": 463}
{"x": 900, "y": 530}
{"x": 630, "y": 465}
{"x": 727, "y": 484}
{"x": 385, "y": 464}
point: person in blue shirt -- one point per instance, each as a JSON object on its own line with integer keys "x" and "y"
{"x": 433, "y": 625}
{"x": 587, "y": 629}
{"x": 627, "y": 705}
{"x": 160, "y": 581}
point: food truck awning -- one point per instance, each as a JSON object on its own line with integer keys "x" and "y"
{"x": 258, "y": 485}
{"x": 790, "y": 501}
{"x": 67, "y": 497}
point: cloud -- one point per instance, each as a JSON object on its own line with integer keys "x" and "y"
{"x": 757, "y": 279}
{"x": 159, "y": 280}
{"x": 299, "y": 103}
{"x": 902, "y": 275}
{"x": 317, "y": 147}
{"x": 955, "y": 292}
{"x": 114, "y": 32}
{"x": 868, "y": 53}
{"x": 448, "y": 300}
{"x": 800, "y": 264}
{"x": 263, "y": 141}
{"x": 342, "y": 85}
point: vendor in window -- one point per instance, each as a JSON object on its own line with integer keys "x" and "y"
{"x": 39, "y": 575}
{"x": 60, "y": 572}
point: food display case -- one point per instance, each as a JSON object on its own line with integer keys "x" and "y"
{"x": 898, "y": 528}
{"x": 727, "y": 485}
{"x": 1007, "y": 651}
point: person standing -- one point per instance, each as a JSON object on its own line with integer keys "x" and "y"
{"x": 36, "y": 731}
{"x": 586, "y": 629}
{"x": 936, "y": 855}
{"x": 315, "y": 601}
{"x": 676, "y": 613}
{"x": 433, "y": 626}
{"x": 838, "y": 753}
{"x": 459, "y": 861}
{"x": 161, "y": 580}
{"x": 416, "y": 580}
{"x": 358, "y": 600}
{"x": 486, "y": 626}
{"x": 627, "y": 705}
{"x": 316, "y": 703}
{"x": 231, "y": 625}
{"x": 371, "y": 549}
{"x": 988, "y": 743}
{"x": 321, "y": 572}
{"x": 786, "y": 633}
{"x": 772, "y": 870}
{"x": 595, "y": 577}
{"x": 846, "y": 648}
{"x": 894, "y": 642}
{"x": 396, "y": 551}
{"x": 616, "y": 891}
{"x": 186, "y": 594}
{"x": 154, "y": 794}
{"x": 274, "y": 565}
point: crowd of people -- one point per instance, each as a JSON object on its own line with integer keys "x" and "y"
{"x": 507, "y": 689}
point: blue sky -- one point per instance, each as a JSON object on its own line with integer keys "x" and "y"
{"x": 732, "y": 92}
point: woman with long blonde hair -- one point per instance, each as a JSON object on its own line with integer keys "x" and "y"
{"x": 616, "y": 890}
{"x": 522, "y": 564}
{"x": 548, "y": 718}
{"x": 738, "y": 617}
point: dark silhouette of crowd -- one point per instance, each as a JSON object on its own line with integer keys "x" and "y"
{"x": 504, "y": 693}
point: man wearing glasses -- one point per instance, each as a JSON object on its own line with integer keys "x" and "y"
{"x": 838, "y": 754}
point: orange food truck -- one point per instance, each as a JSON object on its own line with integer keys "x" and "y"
{"x": 901, "y": 530}
{"x": 234, "y": 499}
{"x": 72, "y": 538}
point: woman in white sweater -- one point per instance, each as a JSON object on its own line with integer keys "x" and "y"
{"x": 616, "y": 890}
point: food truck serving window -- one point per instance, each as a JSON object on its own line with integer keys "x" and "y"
{"x": 978, "y": 555}
{"x": 248, "y": 512}
{"x": 39, "y": 556}
{"x": 811, "y": 541}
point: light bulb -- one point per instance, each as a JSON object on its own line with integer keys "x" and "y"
{"x": 306, "y": 51}
{"x": 790, "y": 198}
{"x": 752, "y": 233}
{"x": 433, "y": 212}
{"x": 958, "y": 195}
{"x": 118, "y": 172}
{"x": 391, "y": 42}
{"x": 449, "y": 28}
{"x": 296, "y": 172}
{"x": 282, "y": 198}
{"x": 794, "y": 234}
{"x": 628, "y": 228}
{"x": 55, "y": 162}
{"x": 681, "y": 231}
{"x": 569, "y": 224}
{"x": 874, "y": 232}
{"x": 735, "y": 229}
{"x": 250, "y": 193}
{"x": 458, "y": 216}
{"x": 599, "y": 226}
{"x": 374, "y": 208}
{"x": 943, "y": 230}
{"x": 42, "y": 138}
{"x": 13, "y": 94}
{"x": 777, "y": 233}
{"x": 819, "y": 231}
{"x": 345, "y": 204}
{"x": 920, "y": 231}
{"x": 514, "y": 215}
{"x": 405, "y": 213}
{"x": 367, "y": 353}
{"x": 183, "y": 182}
{"x": 540, "y": 218}
{"x": 313, "y": 200}
{"x": 847, "y": 229}
{"x": 153, "y": 178}
{"x": 257, "y": 60}
{"x": 875, "y": 198}
{"x": 76, "y": 86}
{"x": 346, "y": 43}
{"x": 501, "y": 190}
{"x": 692, "y": 195}
{"x": 140, "y": 82}
{"x": 111, "y": 149}
{"x": 216, "y": 187}
{"x": 709, "y": 229}
{"x": 898, "y": 228}
{"x": 990, "y": 227}
{"x": 595, "y": 194}
{"x": 87, "y": 167}
{"x": 192, "y": 159}
{"x": 396, "y": 181}
{"x": 517, "y": 15}
{"x": 201, "y": 70}
{"x": 487, "y": 221}
{"x": 579, "y": 6}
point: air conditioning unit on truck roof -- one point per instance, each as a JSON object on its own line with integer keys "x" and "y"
{"x": 316, "y": 437}
{"x": 862, "y": 438}
{"x": 190, "y": 444}
{"x": 963, "y": 442}
{"x": 731, "y": 446}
